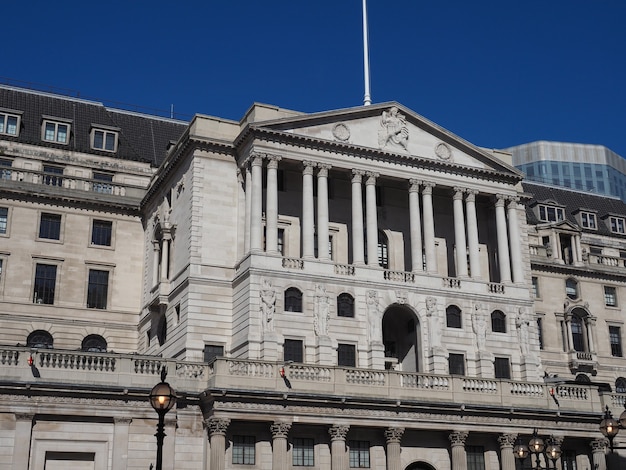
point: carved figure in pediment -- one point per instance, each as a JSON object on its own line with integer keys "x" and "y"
{"x": 268, "y": 304}
{"x": 394, "y": 128}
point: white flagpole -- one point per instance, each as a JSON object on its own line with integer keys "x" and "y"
{"x": 366, "y": 58}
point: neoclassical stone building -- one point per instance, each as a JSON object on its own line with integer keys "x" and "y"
{"x": 357, "y": 288}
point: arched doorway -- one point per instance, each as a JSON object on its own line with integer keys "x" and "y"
{"x": 400, "y": 337}
{"x": 420, "y": 466}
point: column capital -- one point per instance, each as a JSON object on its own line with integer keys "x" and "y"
{"x": 513, "y": 201}
{"x": 507, "y": 440}
{"x": 280, "y": 429}
{"x": 256, "y": 159}
{"x": 357, "y": 176}
{"x": 371, "y": 177}
{"x": 458, "y": 193}
{"x": 428, "y": 187}
{"x": 273, "y": 161}
{"x": 458, "y": 438}
{"x": 500, "y": 200}
{"x": 308, "y": 167}
{"x": 599, "y": 445}
{"x": 470, "y": 195}
{"x": 338, "y": 432}
{"x": 414, "y": 185}
{"x": 394, "y": 435}
{"x": 122, "y": 420}
{"x": 217, "y": 425}
{"x": 323, "y": 169}
{"x": 24, "y": 416}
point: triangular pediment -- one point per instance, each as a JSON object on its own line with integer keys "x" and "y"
{"x": 392, "y": 129}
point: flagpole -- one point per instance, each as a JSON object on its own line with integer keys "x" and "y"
{"x": 366, "y": 58}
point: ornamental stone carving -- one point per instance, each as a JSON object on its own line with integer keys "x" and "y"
{"x": 217, "y": 425}
{"x": 434, "y": 321}
{"x": 443, "y": 151}
{"x": 338, "y": 432}
{"x": 479, "y": 325}
{"x": 321, "y": 311}
{"x": 394, "y": 435}
{"x": 280, "y": 429}
{"x": 394, "y": 129}
{"x": 458, "y": 438}
{"x": 268, "y": 304}
{"x": 373, "y": 317}
{"x": 341, "y": 132}
{"x": 599, "y": 445}
{"x": 507, "y": 440}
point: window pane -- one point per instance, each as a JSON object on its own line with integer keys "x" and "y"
{"x": 45, "y": 280}
{"x": 293, "y": 350}
{"x": 303, "y": 452}
{"x": 212, "y": 351}
{"x": 502, "y": 368}
{"x": 243, "y": 450}
{"x": 50, "y": 226}
{"x": 101, "y": 232}
{"x": 110, "y": 141}
{"x": 359, "y": 454}
{"x": 97, "y": 289}
{"x": 615, "y": 336}
{"x": 475, "y": 458}
{"x": 62, "y": 133}
{"x": 345, "y": 305}
{"x": 346, "y": 355}
{"x": 11, "y": 125}
{"x": 453, "y": 317}
{"x": 456, "y": 364}
{"x": 4, "y": 216}
{"x": 49, "y": 133}
{"x": 98, "y": 138}
{"x": 610, "y": 296}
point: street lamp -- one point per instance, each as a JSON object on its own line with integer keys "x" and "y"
{"x": 162, "y": 399}
{"x": 537, "y": 448}
{"x": 610, "y": 426}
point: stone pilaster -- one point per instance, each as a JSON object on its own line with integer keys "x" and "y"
{"x": 120, "y": 441}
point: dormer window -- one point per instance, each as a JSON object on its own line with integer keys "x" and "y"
{"x": 104, "y": 139}
{"x": 551, "y": 213}
{"x": 588, "y": 220}
{"x": 9, "y": 123}
{"x": 55, "y": 131}
{"x": 617, "y": 224}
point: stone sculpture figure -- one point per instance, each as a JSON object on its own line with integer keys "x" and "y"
{"x": 322, "y": 311}
{"x": 394, "y": 128}
{"x": 434, "y": 321}
{"x": 268, "y": 304}
{"x": 523, "y": 324}
{"x": 479, "y": 325}
{"x": 373, "y": 317}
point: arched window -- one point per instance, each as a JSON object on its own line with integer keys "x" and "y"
{"x": 39, "y": 339}
{"x": 383, "y": 250}
{"x": 293, "y": 300}
{"x": 571, "y": 288}
{"x": 582, "y": 379}
{"x": 345, "y": 305}
{"x": 453, "y": 317}
{"x": 498, "y": 321}
{"x": 94, "y": 343}
{"x": 620, "y": 385}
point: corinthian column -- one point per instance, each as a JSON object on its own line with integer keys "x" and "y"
{"x": 393, "y": 437}
{"x": 372, "y": 219}
{"x": 507, "y": 458}
{"x": 248, "y": 195}
{"x": 217, "y": 436}
{"x": 459, "y": 457}
{"x": 271, "y": 221}
{"x": 357, "y": 218}
{"x": 429, "y": 228}
{"x": 516, "y": 242}
{"x": 256, "y": 210}
{"x": 338, "y": 435}
{"x": 472, "y": 233}
{"x": 279, "y": 445}
{"x": 598, "y": 451}
{"x": 459, "y": 234}
{"x": 503, "y": 242}
{"x": 322, "y": 212}
{"x": 417, "y": 263}
{"x": 308, "y": 227}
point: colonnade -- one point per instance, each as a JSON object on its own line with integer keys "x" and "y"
{"x": 364, "y": 236}
{"x": 217, "y": 429}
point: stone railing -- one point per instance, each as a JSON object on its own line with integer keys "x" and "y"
{"x": 293, "y": 263}
{"x": 609, "y": 261}
{"x": 452, "y": 282}
{"x": 496, "y": 288}
{"x": 345, "y": 269}
{"x": 399, "y": 276}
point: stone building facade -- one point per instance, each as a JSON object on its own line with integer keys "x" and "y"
{"x": 349, "y": 289}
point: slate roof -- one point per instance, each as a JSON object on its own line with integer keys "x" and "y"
{"x": 601, "y": 205}
{"x": 142, "y": 137}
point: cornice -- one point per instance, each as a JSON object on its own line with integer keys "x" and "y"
{"x": 578, "y": 271}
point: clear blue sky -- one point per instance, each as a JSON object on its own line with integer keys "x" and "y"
{"x": 497, "y": 73}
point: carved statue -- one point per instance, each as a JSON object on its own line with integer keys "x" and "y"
{"x": 522, "y": 323}
{"x": 394, "y": 128}
{"x": 268, "y": 304}
{"x": 479, "y": 325}
{"x": 322, "y": 311}
{"x": 373, "y": 317}
{"x": 434, "y": 321}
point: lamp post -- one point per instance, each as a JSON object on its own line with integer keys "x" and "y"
{"x": 162, "y": 399}
{"x": 536, "y": 449}
{"x": 610, "y": 426}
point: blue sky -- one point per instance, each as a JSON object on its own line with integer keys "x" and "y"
{"x": 496, "y": 73}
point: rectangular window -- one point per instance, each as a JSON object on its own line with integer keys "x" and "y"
{"x": 359, "y": 454}
{"x": 4, "y": 220}
{"x": 243, "y": 450}
{"x": 535, "y": 287}
{"x": 98, "y": 289}
{"x": 588, "y": 220}
{"x": 51, "y": 175}
{"x": 551, "y": 213}
{"x": 104, "y": 140}
{"x": 346, "y": 355}
{"x": 302, "y": 452}
{"x": 211, "y": 351}
{"x": 502, "y": 368}
{"x": 102, "y": 183}
{"x": 57, "y": 132}
{"x": 9, "y": 123}
{"x": 568, "y": 460}
{"x": 281, "y": 241}
{"x": 615, "y": 336}
{"x": 617, "y": 225}
{"x": 610, "y": 296}
{"x": 5, "y": 168}
{"x": 540, "y": 332}
{"x": 101, "y": 231}
{"x": 45, "y": 283}
{"x": 50, "y": 226}
{"x": 293, "y": 350}
{"x": 475, "y": 457}
{"x": 456, "y": 364}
